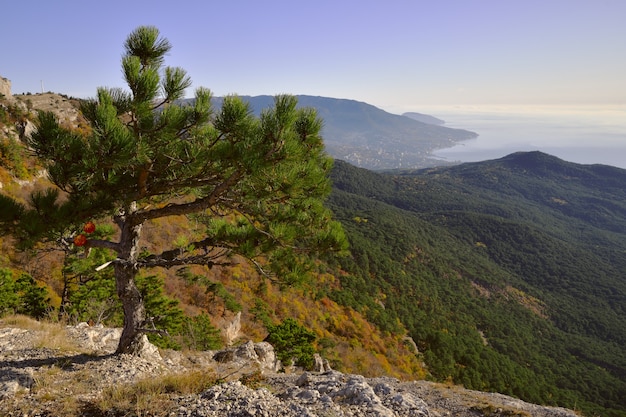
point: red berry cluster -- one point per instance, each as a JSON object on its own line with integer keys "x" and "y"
{"x": 81, "y": 239}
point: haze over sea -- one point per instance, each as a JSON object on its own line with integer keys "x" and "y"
{"x": 585, "y": 135}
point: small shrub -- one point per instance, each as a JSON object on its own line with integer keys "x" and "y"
{"x": 33, "y": 299}
{"x": 292, "y": 341}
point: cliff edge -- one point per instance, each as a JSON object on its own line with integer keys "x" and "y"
{"x": 70, "y": 371}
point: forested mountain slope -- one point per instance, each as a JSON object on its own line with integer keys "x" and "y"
{"x": 509, "y": 274}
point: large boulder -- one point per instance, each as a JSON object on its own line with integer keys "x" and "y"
{"x": 260, "y": 354}
{"x": 98, "y": 339}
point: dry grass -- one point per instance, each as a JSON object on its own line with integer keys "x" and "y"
{"x": 55, "y": 388}
{"x": 55, "y": 337}
{"x": 47, "y": 334}
{"x": 76, "y": 392}
{"x": 151, "y": 396}
{"x": 20, "y": 321}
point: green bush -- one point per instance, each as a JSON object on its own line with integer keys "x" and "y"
{"x": 33, "y": 299}
{"x": 162, "y": 312}
{"x": 292, "y": 341}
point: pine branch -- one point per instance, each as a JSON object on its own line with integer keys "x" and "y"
{"x": 209, "y": 259}
{"x": 192, "y": 207}
{"x": 104, "y": 244}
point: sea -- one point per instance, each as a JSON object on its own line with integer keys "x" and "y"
{"x": 584, "y": 135}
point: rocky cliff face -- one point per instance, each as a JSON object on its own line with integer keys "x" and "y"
{"x": 65, "y": 108}
{"x": 64, "y": 371}
{"x": 23, "y": 109}
{"x": 5, "y": 87}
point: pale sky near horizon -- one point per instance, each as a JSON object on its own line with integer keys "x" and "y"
{"x": 396, "y": 54}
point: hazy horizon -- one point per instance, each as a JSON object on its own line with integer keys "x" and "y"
{"x": 580, "y": 134}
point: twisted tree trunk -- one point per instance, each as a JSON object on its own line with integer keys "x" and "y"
{"x": 131, "y": 341}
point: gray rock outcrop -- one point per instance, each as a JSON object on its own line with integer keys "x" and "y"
{"x": 28, "y": 370}
{"x": 260, "y": 355}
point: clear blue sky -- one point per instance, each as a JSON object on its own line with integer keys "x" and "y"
{"x": 392, "y": 53}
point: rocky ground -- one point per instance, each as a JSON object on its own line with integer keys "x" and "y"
{"x": 67, "y": 371}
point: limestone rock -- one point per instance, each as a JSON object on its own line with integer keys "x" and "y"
{"x": 148, "y": 351}
{"x": 24, "y": 365}
{"x": 321, "y": 364}
{"x": 231, "y": 331}
{"x": 261, "y": 354}
{"x": 5, "y": 87}
{"x": 98, "y": 339}
{"x": 25, "y": 129}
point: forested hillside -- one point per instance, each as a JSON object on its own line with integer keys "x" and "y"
{"x": 509, "y": 274}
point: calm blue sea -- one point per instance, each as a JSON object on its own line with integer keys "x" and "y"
{"x": 585, "y": 136}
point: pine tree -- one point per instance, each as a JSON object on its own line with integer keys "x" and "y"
{"x": 255, "y": 184}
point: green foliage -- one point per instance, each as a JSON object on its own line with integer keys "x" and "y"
{"x": 22, "y": 295}
{"x": 11, "y": 113}
{"x": 508, "y": 274}
{"x": 94, "y": 301}
{"x": 292, "y": 341}
{"x": 8, "y": 296}
{"x": 261, "y": 313}
{"x": 162, "y": 312}
{"x": 88, "y": 293}
{"x": 12, "y": 157}
{"x": 271, "y": 169}
{"x": 33, "y": 299}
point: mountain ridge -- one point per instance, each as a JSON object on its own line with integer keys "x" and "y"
{"x": 424, "y": 118}
{"x": 372, "y": 138}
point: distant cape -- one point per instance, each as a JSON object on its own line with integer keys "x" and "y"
{"x": 424, "y": 118}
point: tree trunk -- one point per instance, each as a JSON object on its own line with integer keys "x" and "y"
{"x": 131, "y": 341}
{"x": 65, "y": 294}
